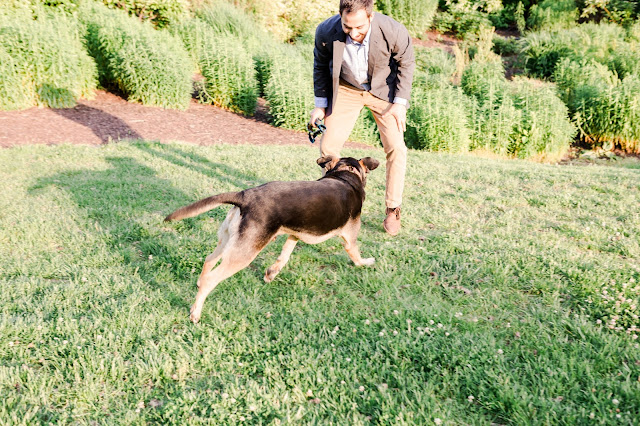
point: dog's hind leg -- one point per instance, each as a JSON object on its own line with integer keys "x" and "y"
{"x": 235, "y": 262}
{"x": 282, "y": 260}
{"x": 228, "y": 227}
{"x": 350, "y": 235}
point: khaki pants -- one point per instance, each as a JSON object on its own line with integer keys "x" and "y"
{"x": 347, "y": 107}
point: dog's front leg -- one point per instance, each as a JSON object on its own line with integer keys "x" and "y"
{"x": 354, "y": 253}
{"x": 282, "y": 260}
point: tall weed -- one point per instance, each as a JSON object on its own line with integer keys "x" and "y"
{"x": 416, "y": 15}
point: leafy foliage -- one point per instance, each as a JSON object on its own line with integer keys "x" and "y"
{"x": 416, "y": 15}
{"x": 43, "y": 62}
{"x": 228, "y": 69}
{"x": 146, "y": 65}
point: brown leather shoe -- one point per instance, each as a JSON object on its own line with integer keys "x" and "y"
{"x": 392, "y": 223}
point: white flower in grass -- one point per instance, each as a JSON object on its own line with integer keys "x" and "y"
{"x": 615, "y": 401}
{"x": 440, "y": 325}
{"x": 432, "y": 322}
{"x": 354, "y": 330}
{"x": 361, "y": 388}
{"x": 458, "y": 314}
{"x": 342, "y": 382}
{"x": 618, "y": 416}
{"x": 381, "y": 333}
{"x": 150, "y": 257}
{"x": 225, "y": 395}
{"x": 395, "y": 332}
{"x": 446, "y": 334}
{"x": 84, "y": 279}
{"x": 470, "y": 398}
{"x": 395, "y": 312}
{"x": 309, "y": 393}
{"x": 348, "y": 359}
{"x": 592, "y": 415}
{"x": 437, "y": 421}
{"x": 242, "y": 418}
{"x": 367, "y": 322}
{"x": 500, "y": 352}
{"x": 64, "y": 342}
{"x": 232, "y": 400}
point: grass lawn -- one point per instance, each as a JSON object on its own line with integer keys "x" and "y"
{"x": 511, "y": 295}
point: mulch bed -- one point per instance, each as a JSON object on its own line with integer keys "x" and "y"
{"x": 109, "y": 118}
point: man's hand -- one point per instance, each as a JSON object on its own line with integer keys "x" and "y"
{"x": 399, "y": 112}
{"x": 315, "y": 115}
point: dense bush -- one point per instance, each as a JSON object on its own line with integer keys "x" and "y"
{"x": 228, "y": 69}
{"x": 543, "y": 50}
{"x": 161, "y": 13}
{"x": 552, "y": 14}
{"x": 435, "y": 62}
{"x": 604, "y": 108}
{"x": 288, "y": 19}
{"x": 437, "y": 119}
{"x": 43, "y": 61}
{"x": 416, "y": 15}
{"x": 289, "y": 90}
{"x": 144, "y": 64}
{"x": 544, "y": 130}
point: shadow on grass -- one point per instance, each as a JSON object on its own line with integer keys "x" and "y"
{"x": 120, "y": 201}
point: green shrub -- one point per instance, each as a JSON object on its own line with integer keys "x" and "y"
{"x": 494, "y": 122}
{"x": 435, "y": 62}
{"x": 289, "y": 90}
{"x": 230, "y": 78}
{"x": 145, "y": 65}
{"x": 162, "y": 13}
{"x": 553, "y": 14}
{"x": 416, "y": 15}
{"x": 437, "y": 119}
{"x": 605, "y": 109}
{"x": 43, "y": 62}
{"x": 543, "y": 50}
{"x": 544, "y": 130}
{"x": 224, "y": 18}
{"x": 466, "y": 18}
{"x": 484, "y": 81}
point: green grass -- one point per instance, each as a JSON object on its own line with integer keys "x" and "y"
{"x": 503, "y": 263}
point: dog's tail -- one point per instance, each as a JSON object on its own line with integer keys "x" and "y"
{"x": 205, "y": 205}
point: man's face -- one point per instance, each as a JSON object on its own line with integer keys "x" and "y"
{"x": 356, "y": 24}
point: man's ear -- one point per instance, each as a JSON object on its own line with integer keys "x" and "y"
{"x": 369, "y": 163}
{"x": 328, "y": 162}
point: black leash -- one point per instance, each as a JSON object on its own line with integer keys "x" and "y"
{"x": 313, "y": 134}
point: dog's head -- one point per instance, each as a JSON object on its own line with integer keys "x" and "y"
{"x": 360, "y": 168}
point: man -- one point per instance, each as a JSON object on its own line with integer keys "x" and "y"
{"x": 362, "y": 58}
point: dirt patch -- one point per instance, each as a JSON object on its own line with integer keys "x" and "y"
{"x": 110, "y": 118}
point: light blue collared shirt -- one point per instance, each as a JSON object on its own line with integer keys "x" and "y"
{"x": 355, "y": 68}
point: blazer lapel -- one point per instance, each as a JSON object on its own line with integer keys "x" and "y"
{"x": 374, "y": 40}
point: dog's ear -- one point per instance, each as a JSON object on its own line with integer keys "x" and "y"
{"x": 327, "y": 162}
{"x": 369, "y": 163}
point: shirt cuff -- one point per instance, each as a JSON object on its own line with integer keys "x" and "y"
{"x": 401, "y": 101}
{"x": 321, "y": 102}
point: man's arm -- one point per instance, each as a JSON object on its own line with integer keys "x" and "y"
{"x": 321, "y": 60}
{"x": 406, "y": 60}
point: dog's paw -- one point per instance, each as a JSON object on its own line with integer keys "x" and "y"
{"x": 270, "y": 275}
{"x": 368, "y": 262}
{"x": 194, "y": 315}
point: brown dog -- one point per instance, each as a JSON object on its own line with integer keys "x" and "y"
{"x": 309, "y": 211}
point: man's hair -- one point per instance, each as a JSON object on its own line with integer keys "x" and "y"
{"x": 351, "y": 6}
